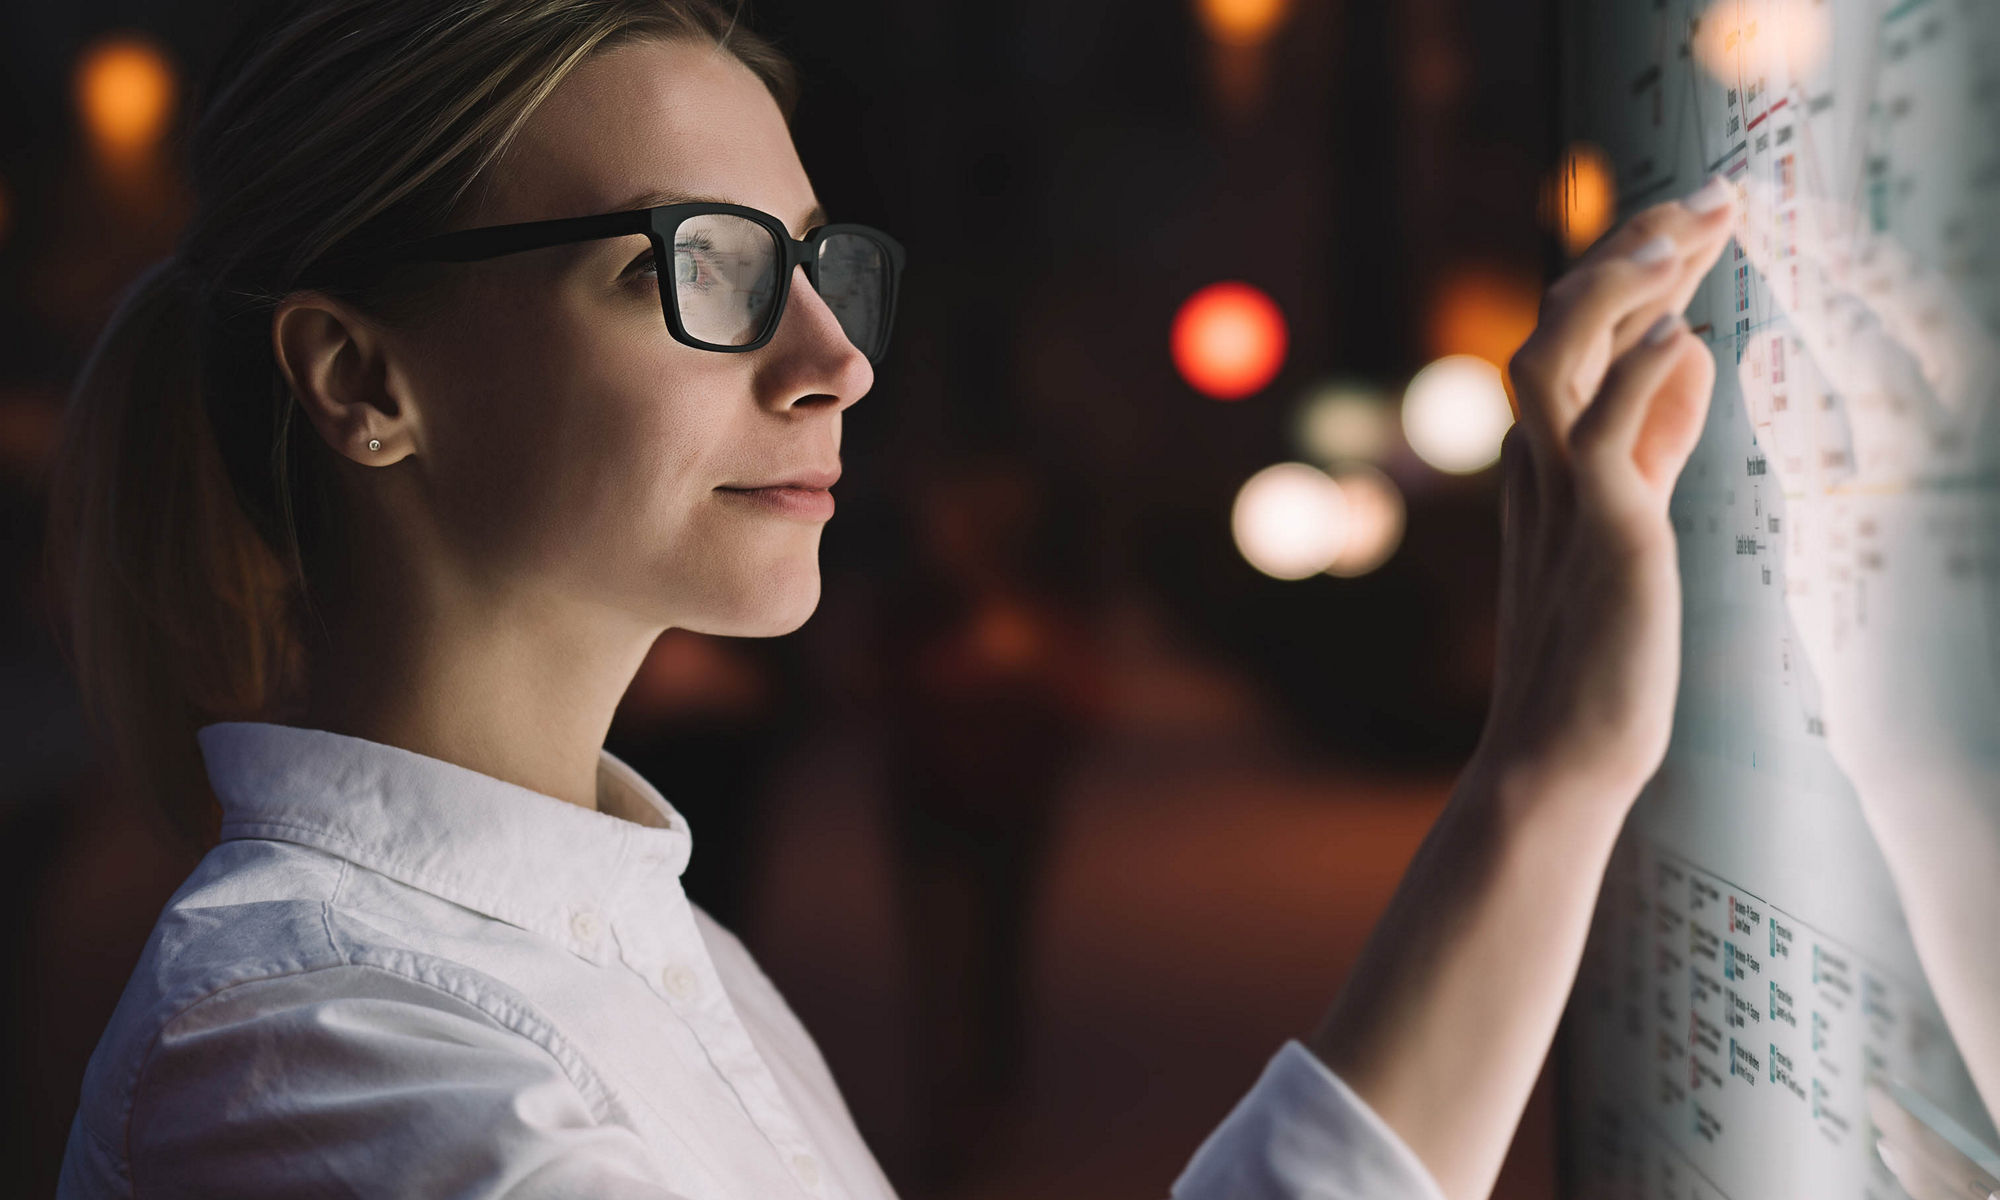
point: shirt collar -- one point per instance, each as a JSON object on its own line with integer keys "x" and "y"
{"x": 514, "y": 854}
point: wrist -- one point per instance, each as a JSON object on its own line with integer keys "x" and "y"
{"x": 1539, "y": 797}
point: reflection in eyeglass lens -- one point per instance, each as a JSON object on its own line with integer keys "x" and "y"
{"x": 724, "y": 277}
{"x": 853, "y": 277}
{"x": 726, "y": 280}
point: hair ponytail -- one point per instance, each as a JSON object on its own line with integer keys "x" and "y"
{"x": 175, "y": 607}
{"x": 188, "y": 508}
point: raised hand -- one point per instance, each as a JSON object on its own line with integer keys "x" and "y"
{"x": 1448, "y": 1015}
{"x": 1612, "y": 392}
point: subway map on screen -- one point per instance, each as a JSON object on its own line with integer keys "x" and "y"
{"x": 1753, "y": 1019}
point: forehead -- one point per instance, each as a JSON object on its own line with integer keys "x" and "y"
{"x": 647, "y": 116}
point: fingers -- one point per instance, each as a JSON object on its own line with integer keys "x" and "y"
{"x": 1654, "y": 396}
{"x": 1673, "y": 424}
{"x": 1558, "y": 369}
{"x": 1700, "y": 244}
{"x": 1682, "y": 220}
{"x": 1598, "y": 311}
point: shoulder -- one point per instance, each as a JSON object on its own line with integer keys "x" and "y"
{"x": 248, "y": 911}
{"x": 253, "y": 971}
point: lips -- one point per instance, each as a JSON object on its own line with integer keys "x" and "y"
{"x": 811, "y": 480}
{"x": 799, "y": 503}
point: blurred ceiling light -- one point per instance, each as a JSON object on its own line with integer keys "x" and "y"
{"x": 1581, "y": 199}
{"x": 1484, "y": 311}
{"x": 1228, "y": 340}
{"x": 1241, "y": 22}
{"x": 1733, "y": 39}
{"x": 1345, "y": 422}
{"x": 125, "y": 90}
{"x": 1375, "y": 520}
{"x": 1455, "y": 412}
{"x": 1289, "y": 520}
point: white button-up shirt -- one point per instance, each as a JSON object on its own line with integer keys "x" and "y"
{"x": 396, "y": 976}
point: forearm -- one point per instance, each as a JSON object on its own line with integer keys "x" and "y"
{"x": 1448, "y": 1016}
{"x": 1449, "y": 1013}
{"x": 1940, "y": 835}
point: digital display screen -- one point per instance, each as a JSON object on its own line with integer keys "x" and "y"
{"x": 1752, "y": 1017}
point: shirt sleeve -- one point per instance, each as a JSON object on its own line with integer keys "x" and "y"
{"x": 1303, "y": 1134}
{"x": 356, "y": 1081}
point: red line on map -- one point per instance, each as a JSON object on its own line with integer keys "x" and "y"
{"x": 1767, "y": 112}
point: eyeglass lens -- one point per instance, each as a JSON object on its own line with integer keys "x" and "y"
{"x": 726, "y": 280}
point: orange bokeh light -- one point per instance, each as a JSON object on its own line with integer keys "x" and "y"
{"x": 1484, "y": 311}
{"x": 1789, "y": 38}
{"x": 1241, "y": 22}
{"x": 1228, "y": 340}
{"x": 125, "y": 90}
{"x": 1583, "y": 197}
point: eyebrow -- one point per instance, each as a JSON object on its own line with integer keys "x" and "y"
{"x": 656, "y": 197}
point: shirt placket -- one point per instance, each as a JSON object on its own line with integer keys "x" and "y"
{"x": 663, "y": 945}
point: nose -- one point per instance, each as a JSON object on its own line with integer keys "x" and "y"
{"x": 811, "y": 358}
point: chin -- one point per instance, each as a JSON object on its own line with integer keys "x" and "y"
{"x": 771, "y": 609}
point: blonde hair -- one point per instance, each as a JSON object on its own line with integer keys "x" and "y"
{"x": 186, "y": 501}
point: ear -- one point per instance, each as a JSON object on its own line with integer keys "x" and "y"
{"x": 338, "y": 364}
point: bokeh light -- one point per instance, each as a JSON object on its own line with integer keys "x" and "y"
{"x": 1455, "y": 413}
{"x": 1228, "y": 340}
{"x": 1289, "y": 520}
{"x": 1376, "y": 517}
{"x": 125, "y": 90}
{"x": 1484, "y": 311}
{"x": 1790, "y": 38}
{"x": 1581, "y": 200}
{"x": 1241, "y": 22}
{"x": 1342, "y": 421}
{"x": 686, "y": 673}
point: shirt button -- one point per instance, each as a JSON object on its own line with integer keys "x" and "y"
{"x": 585, "y": 925}
{"x": 807, "y": 1169}
{"x": 679, "y": 980}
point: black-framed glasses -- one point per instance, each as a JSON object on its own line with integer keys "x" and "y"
{"x": 732, "y": 268}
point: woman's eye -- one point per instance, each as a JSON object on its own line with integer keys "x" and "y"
{"x": 690, "y": 254}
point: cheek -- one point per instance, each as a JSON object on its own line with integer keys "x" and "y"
{"x": 572, "y": 440}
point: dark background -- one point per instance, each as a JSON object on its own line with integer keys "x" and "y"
{"x": 1046, "y": 982}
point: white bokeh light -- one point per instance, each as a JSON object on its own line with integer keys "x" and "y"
{"x": 1455, "y": 413}
{"x": 1375, "y": 521}
{"x": 1345, "y": 422}
{"x": 1290, "y": 520}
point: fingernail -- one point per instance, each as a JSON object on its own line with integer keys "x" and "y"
{"x": 1890, "y": 1159}
{"x": 1709, "y": 196}
{"x": 1664, "y": 328}
{"x": 1656, "y": 251}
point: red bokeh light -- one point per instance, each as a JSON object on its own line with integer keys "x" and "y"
{"x": 1228, "y": 340}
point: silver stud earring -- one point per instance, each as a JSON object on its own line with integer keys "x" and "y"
{"x": 374, "y": 444}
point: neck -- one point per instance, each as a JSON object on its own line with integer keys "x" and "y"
{"x": 519, "y": 688}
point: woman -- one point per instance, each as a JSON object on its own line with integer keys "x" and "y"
{"x": 385, "y": 538}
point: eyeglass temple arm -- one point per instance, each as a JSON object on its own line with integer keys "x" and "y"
{"x": 471, "y": 245}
